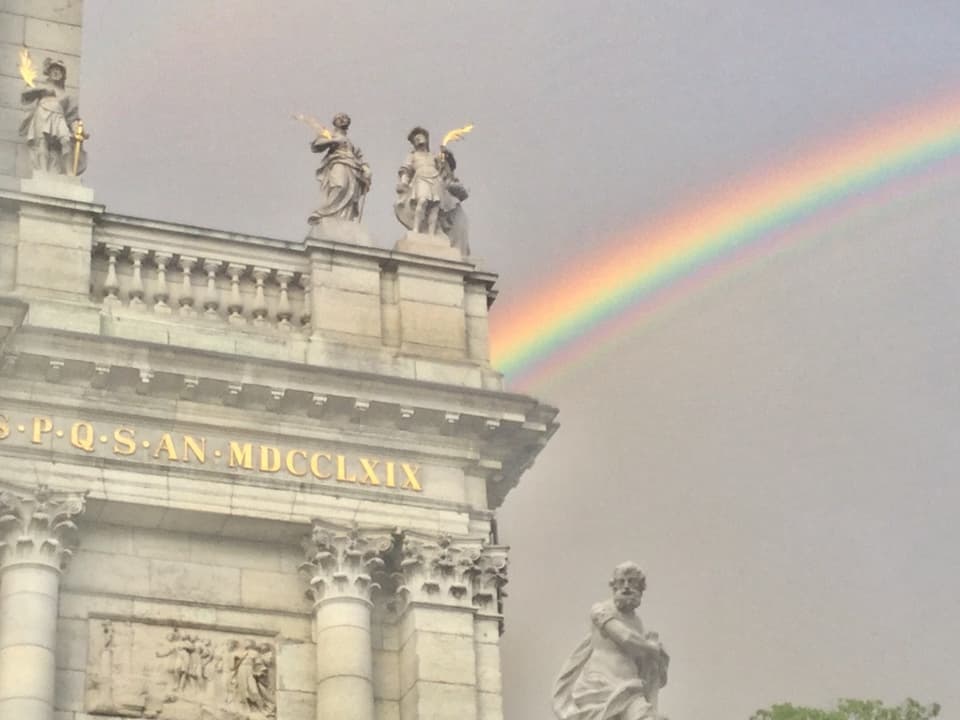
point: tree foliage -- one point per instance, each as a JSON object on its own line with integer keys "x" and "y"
{"x": 852, "y": 710}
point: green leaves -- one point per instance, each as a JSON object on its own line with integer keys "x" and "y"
{"x": 852, "y": 710}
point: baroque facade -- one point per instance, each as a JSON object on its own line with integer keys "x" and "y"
{"x": 243, "y": 478}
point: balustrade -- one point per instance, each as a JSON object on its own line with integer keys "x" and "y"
{"x": 258, "y": 297}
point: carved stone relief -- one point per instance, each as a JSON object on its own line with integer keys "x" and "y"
{"x": 178, "y": 673}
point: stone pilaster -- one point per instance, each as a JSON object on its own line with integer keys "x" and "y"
{"x": 342, "y": 564}
{"x": 488, "y": 624}
{"x": 37, "y": 534}
{"x": 449, "y": 659}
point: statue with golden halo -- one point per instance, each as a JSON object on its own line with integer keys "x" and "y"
{"x": 429, "y": 193}
{"x": 52, "y": 129}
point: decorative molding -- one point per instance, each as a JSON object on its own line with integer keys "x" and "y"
{"x": 38, "y": 527}
{"x": 459, "y": 572}
{"x": 345, "y": 561}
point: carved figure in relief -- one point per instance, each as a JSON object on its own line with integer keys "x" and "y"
{"x": 53, "y": 129}
{"x": 138, "y": 670}
{"x": 344, "y": 175}
{"x": 617, "y": 671}
{"x": 179, "y": 654}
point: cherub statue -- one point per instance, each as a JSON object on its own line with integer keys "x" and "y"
{"x": 617, "y": 671}
{"x": 53, "y": 130}
{"x": 343, "y": 174}
{"x": 428, "y": 192}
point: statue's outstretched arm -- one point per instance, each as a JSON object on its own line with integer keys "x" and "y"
{"x": 632, "y": 642}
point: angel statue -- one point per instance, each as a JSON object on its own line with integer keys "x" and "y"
{"x": 428, "y": 191}
{"x": 343, "y": 174}
{"x": 53, "y": 129}
{"x": 617, "y": 671}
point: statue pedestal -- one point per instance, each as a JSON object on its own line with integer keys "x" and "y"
{"x": 67, "y": 187}
{"x": 437, "y": 246}
{"x": 343, "y": 231}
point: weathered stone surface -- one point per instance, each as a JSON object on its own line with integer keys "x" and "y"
{"x": 619, "y": 668}
{"x": 437, "y": 246}
{"x": 139, "y": 670}
{"x": 57, "y": 37}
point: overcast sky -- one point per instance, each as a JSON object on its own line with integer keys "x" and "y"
{"x": 779, "y": 451}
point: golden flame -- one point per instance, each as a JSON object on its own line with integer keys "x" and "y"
{"x": 455, "y": 135}
{"x": 27, "y": 71}
{"x": 315, "y": 124}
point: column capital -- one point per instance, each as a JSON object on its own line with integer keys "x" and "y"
{"x": 36, "y": 527}
{"x": 455, "y": 572}
{"x": 345, "y": 561}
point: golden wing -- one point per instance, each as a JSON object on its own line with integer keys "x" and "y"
{"x": 27, "y": 70}
{"x": 455, "y": 135}
{"x": 315, "y": 124}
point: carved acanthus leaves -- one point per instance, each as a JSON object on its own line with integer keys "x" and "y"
{"x": 452, "y": 571}
{"x": 38, "y": 527}
{"x": 345, "y": 561}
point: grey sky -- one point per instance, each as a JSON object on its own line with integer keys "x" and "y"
{"x": 779, "y": 451}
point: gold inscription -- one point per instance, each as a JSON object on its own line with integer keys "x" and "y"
{"x": 82, "y": 435}
{"x": 123, "y": 442}
{"x": 41, "y": 425}
{"x": 197, "y": 449}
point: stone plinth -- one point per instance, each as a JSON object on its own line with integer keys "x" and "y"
{"x": 66, "y": 187}
{"x": 437, "y": 246}
{"x": 341, "y": 231}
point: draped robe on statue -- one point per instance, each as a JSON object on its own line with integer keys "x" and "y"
{"x": 343, "y": 177}
{"x": 600, "y": 681}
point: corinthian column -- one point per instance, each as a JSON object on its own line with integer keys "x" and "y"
{"x": 449, "y": 628}
{"x": 36, "y": 537}
{"x": 342, "y": 564}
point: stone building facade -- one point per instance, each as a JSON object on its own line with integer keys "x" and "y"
{"x": 242, "y": 478}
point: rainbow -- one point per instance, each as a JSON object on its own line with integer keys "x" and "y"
{"x": 601, "y": 296}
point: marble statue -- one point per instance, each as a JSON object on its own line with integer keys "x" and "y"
{"x": 453, "y": 220}
{"x": 343, "y": 174}
{"x": 52, "y": 128}
{"x": 617, "y": 671}
{"x": 429, "y": 193}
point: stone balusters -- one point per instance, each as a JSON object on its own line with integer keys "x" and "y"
{"x": 211, "y": 298}
{"x": 259, "y": 297}
{"x": 235, "y": 306}
{"x": 342, "y": 566}
{"x": 36, "y": 536}
{"x": 161, "y": 295}
{"x": 186, "y": 292}
{"x": 135, "y": 293}
{"x": 111, "y": 285}
{"x": 234, "y": 292}
{"x": 284, "y": 310}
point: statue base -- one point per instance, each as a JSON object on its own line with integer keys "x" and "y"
{"x": 437, "y": 246}
{"x": 67, "y": 187}
{"x": 342, "y": 231}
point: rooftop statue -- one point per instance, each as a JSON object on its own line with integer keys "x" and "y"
{"x": 428, "y": 191}
{"x": 53, "y": 128}
{"x": 343, "y": 174}
{"x": 617, "y": 671}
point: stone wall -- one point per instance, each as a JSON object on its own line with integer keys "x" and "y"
{"x": 153, "y": 583}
